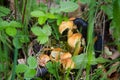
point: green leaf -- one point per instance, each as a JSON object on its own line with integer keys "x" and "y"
{"x": 101, "y": 60}
{"x": 42, "y": 33}
{"x": 85, "y": 1}
{"x": 42, "y": 39}
{"x": 37, "y": 14}
{"x": 54, "y": 10}
{"x": 21, "y": 68}
{"x": 24, "y": 38}
{"x": 108, "y": 9}
{"x": 59, "y": 21}
{"x": 68, "y": 6}
{"x": 17, "y": 44}
{"x": 30, "y": 73}
{"x": 4, "y": 11}
{"x": 47, "y": 30}
{"x": 53, "y": 68}
{"x": 1, "y": 19}
{"x": 43, "y": 7}
{"x": 11, "y": 31}
{"x": 4, "y": 25}
{"x": 36, "y": 30}
{"x": 15, "y": 24}
{"x": 79, "y": 60}
{"x": 42, "y": 20}
{"x": 32, "y": 62}
{"x": 50, "y": 16}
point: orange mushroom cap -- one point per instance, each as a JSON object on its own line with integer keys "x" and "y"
{"x": 43, "y": 59}
{"x": 66, "y": 25}
{"x": 65, "y": 55}
{"x": 72, "y": 40}
{"x": 68, "y": 63}
{"x": 55, "y": 54}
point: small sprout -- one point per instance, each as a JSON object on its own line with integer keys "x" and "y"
{"x": 43, "y": 59}
{"x": 66, "y": 25}
{"x": 68, "y": 63}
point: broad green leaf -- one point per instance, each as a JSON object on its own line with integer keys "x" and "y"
{"x": 24, "y": 38}
{"x": 11, "y": 31}
{"x": 42, "y": 33}
{"x": 42, "y": 39}
{"x": 32, "y": 62}
{"x": 108, "y": 9}
{"x": 43, "y": 7}
{"x": 34, "y": 5}
{"x": 21, "y": 68}
{"x": 4, "y": 25}
{"x": 30, "y": 73}
{"x": 57, "y": 1}
{"x": 37, "y": 14}
{"x": 36, "y": 30}
{"x": 50, "y": 16}
{"x": 82, "y": 58}
{"x": 4, "y": 11}
{"x": 68, "y": 6}
{"x": 85, "y": 1}
{"x": 15, "y": 24}
{"x": 79, "y": 60}
{"x": 54, "y": 10}
{"x": 53, "y": 68}
{"x": 17, "y": 44}
{"x": 1, "y": 19}
{"x": 101, "y": 60}
{"x": 47, "y": 30}
{"x": 59, "y": 19}
{"x": 42, "y": 20}
{"x": 50, "y": 68}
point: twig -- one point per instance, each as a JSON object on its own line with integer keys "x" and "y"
{"x": 24, "y": 11}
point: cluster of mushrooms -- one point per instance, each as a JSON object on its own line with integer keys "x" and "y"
{"x": 75, "y": 41}
{"x": 57, "y": 54}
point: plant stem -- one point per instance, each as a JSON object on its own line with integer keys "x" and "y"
{"x": 90, "y": 41}
{"x": 23, "y": 16}
{"x": 14, "y": 64}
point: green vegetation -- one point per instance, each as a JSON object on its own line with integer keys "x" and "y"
{"x": 33, "y": 47}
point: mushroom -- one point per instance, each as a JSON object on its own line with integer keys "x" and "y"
{"x": 74, "y": 41}
{"x": 55, "y": 54}
{"x": 66, "y": 25}
{"x": 68, "y": 63}
{"x": 65, "y": 56}
{"x": 43, "y": 59}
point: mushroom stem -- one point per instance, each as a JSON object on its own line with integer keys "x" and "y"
{"x": 77, "y": 48}
{"x": 70, "y": 33}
